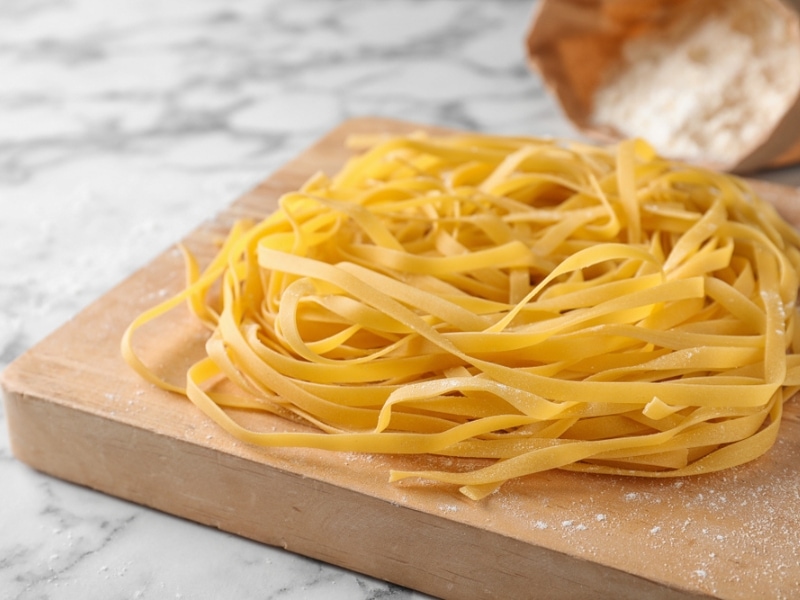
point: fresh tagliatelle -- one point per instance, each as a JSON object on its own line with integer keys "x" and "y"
{"x": 535, "y": 303}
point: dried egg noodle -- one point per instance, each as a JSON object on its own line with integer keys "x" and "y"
{"x": 542, "y": 304}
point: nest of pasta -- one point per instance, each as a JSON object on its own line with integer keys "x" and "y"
{"x": 534, "y": 302}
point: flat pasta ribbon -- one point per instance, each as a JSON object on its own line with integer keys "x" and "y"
{"x": 530, "y": 302}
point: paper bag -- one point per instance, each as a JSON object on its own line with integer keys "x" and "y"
{"x": 735, "y": 103}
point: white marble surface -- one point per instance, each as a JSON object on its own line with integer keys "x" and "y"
{"x": 125, "y": 124}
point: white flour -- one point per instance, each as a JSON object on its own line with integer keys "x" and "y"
{"x": 710, "y": 86}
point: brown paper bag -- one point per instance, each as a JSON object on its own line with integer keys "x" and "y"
{"x": 579, "y": 46}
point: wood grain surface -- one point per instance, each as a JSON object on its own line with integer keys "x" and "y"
{"x": 76, "y": 411}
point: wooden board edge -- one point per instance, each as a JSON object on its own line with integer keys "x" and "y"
{"x": 364, "y": 534}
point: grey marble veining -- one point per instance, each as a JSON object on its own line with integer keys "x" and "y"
{"x": 123, "y": 125}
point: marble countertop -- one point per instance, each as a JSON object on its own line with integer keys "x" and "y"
{"x": 122, "y": 127}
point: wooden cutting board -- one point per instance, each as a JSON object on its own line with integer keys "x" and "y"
{"x": 76, "y": 411}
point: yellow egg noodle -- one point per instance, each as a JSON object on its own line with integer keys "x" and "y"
{"x": 536, "y": 303}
